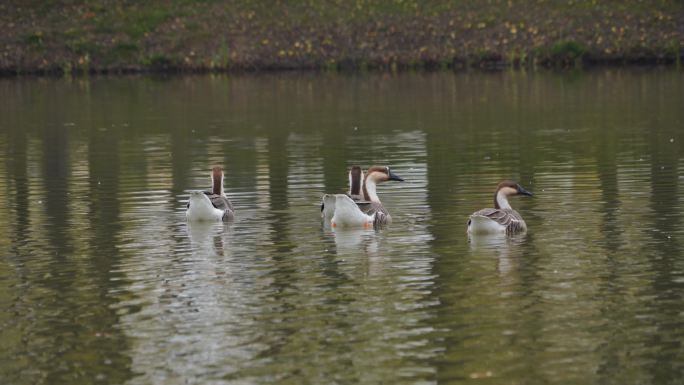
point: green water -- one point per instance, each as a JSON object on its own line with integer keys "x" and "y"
{"x": 103, "y": 281}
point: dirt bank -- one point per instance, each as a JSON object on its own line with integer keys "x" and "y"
{"x": 195, "y": 35}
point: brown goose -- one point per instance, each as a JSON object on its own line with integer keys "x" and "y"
{"x": 502, "y": 218}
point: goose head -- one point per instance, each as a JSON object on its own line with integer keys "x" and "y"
{"x": 374, "y": 176}
{"x": 507, "y": 189}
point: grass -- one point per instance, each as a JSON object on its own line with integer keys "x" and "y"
{"x": 567, "y": 53}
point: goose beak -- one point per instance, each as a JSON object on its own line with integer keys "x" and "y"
{"x": 393, "y": 176}
{"x": 522, "y": 191}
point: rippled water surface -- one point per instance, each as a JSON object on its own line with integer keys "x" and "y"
{"x": 103, "y": 281}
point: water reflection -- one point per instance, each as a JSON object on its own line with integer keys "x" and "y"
{"x": 353, "y": 241}
{"x": 210, "y": 237}
{"x": 505, "y": 250}
{"x": 103, "y": 279}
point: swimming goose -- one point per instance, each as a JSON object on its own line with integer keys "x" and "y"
{"x": 502, "y": 218}
{"x": 210, "y": 205}
{"x": 349, "y": 213}
{"x": 355, "y": 193}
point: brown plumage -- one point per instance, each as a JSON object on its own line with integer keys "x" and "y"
{"x": 217, "y": 180}
{"x": 355, "y": 183}
{"x": 382, "y": 216}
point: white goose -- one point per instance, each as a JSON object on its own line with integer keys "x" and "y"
{"x": 356, "y": 177}
{"x": 370, "y": 211}
{"x": 502, "y": 218}
{"x": 210, "y": 205}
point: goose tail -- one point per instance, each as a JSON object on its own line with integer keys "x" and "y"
{"x": 480, "y": 224}
{"x": 348, "y": 214}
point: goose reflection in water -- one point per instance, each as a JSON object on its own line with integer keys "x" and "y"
{"x": 506, "y": 248}
{"x": 209, "y": 236}
{"x": 355, "y": 240}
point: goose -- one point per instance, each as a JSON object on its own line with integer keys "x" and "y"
{"x": 210, "y": 205}
{"x": 355, "y": 192}
{"x": 370, "y": 211}
{"x": 502, "y": 218}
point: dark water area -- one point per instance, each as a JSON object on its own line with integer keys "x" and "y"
{"x": 102, "y": 280}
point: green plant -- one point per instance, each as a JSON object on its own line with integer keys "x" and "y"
{"x": 157, "y": 61}
{"x": 34, "y": 40}
{"x": 222, "y": 57}
{"x": 567, "y": 52}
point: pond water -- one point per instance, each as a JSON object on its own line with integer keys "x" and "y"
{"x": 103, "y": 281}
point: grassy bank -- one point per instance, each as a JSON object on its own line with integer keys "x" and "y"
{"x": 67, "y": 36}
